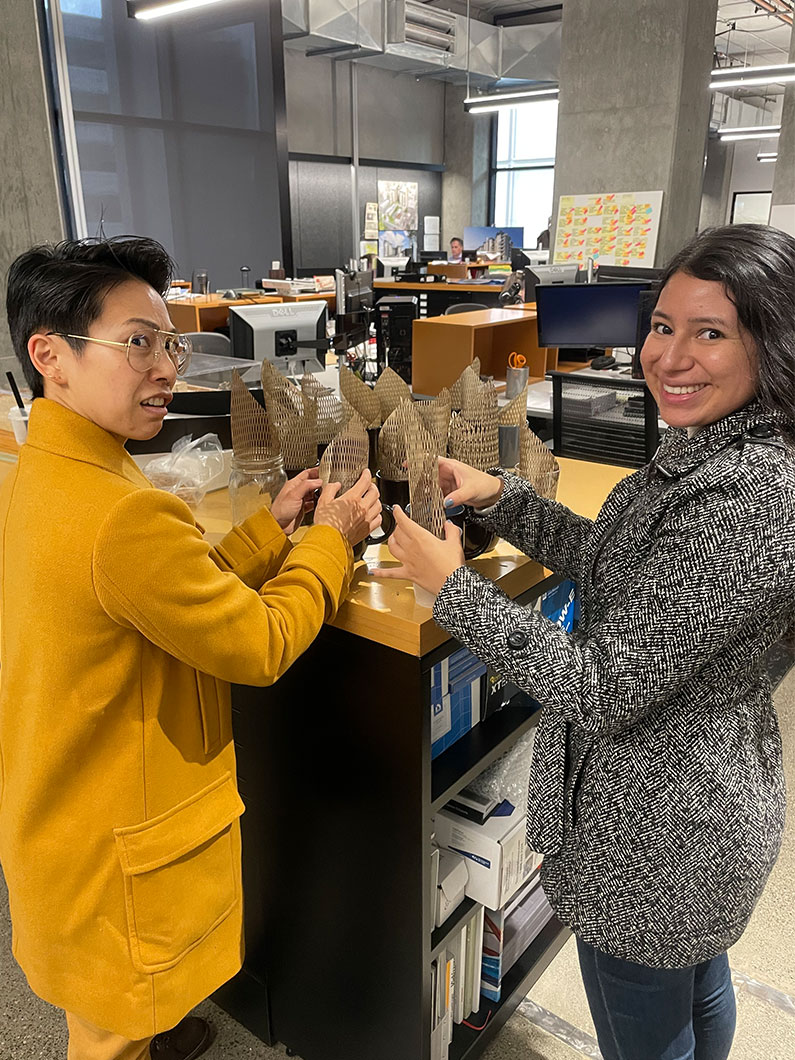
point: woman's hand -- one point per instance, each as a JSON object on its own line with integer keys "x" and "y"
{"x": 356, "y": 513}
{"x": 424, "y": 559}
{"x": 462, "y": 484}
{"x": 295, "y": 498}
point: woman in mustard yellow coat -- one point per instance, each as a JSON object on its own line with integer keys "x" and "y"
{"x": 121, "y": 631}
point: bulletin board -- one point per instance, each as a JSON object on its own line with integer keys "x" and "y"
{"x": 616, "y": 228}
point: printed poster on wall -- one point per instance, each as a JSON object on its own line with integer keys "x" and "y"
{"x": 616, "y": 228}
{"x": 397, "y": 206}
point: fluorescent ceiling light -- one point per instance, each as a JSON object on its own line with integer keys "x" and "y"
{"x": 740, "y": 76}
{"x": 767, "y": 156}
{"x": 750, "y": 132}
{"x": 750, "y": 136}
{"x": 496, "y": 101}
{"x": 143, "y": 9}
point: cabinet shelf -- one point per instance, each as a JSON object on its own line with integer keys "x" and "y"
{"x": 481, "y": 746}
{"x": 468, "y": 1043}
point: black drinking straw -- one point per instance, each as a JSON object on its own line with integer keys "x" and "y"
{"x": 15, "y": 388}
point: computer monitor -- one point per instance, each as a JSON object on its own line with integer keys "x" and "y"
{"x": 289, "y": 334}
{"x": 646, "y": 304}
{"x": 354, "y": 307}
{"x": 588, "y": 316}
{"x": 611, "y": 273}
{"x": 547, "y": 274}
{"x": 385, "y": 266}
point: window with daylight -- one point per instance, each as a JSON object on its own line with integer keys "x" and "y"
{"x": 524, "y": 167}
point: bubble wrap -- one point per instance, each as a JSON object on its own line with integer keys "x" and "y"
{"x": 507, "y": 777}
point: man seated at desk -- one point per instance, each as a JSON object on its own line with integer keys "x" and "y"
{"x": 456, "y": 255}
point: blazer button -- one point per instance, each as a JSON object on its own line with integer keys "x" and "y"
{"x": 763, "y": 430}
{"x": 517, "y": 639}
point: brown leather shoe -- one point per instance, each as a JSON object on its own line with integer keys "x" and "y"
{"x": 190, "y": 1038}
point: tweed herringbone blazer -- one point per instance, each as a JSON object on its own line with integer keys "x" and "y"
{"x": 656, "y": 791}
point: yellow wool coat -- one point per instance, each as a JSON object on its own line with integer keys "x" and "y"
{"x": 121, "y": 630}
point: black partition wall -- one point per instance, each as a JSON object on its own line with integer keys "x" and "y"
{"x": 320, "y": 204}
{"x": 180, "y": 130}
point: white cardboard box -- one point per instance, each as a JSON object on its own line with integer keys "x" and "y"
{"x": 496, "y": 853}
{"x": 453, "y": 875}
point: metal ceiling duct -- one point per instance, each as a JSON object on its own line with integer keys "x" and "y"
{"x": 413, "y": 38}
{"x": 347, "y": 28}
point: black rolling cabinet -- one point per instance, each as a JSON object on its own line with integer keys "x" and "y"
{"x": 335, "y": 771}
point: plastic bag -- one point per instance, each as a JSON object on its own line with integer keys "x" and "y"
{"x": 507, "y": 777}
{"x": 189, "y": 468}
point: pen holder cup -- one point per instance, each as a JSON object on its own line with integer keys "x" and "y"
{"x": 515, "y": 380}
{"x": 509, "y": 446}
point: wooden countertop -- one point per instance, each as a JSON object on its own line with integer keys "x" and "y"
{"x": 479, "y": 318}
{"x": 207, "y": 301}
{"x": 386, "y": 611}
{"x": 392, "y": 285}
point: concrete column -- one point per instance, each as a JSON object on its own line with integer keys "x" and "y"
{"x": 717, "y": 182}
{"x": 465, "y": 181}
{"x": 30, "y": 208}
{"x": 784, "y": 178}
{"x": 634, "y": 104}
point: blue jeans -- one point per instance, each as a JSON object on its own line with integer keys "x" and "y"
{"x": 645, "y": 1013}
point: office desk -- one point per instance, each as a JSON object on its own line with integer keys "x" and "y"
{"x": 329, "y": 297}
{"x": 443, "y": 346}
{"x": 434, "y": 298}
{"x": 208, "y": 312}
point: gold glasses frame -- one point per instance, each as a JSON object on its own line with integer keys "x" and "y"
{"x": 166, "y": 338}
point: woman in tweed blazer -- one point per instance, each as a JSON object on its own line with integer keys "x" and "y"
{"x": 657, "y": 793}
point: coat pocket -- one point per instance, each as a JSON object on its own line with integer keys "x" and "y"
{"x": 181, "y": 875}
{"x": 215, "y": 708}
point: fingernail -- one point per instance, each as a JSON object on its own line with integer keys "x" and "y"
{"x": 448, "y": 503}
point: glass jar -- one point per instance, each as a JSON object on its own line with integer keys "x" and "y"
{"x": 253, "y": 484}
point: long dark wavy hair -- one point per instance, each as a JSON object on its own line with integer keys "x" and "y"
{"x": 756, "y": 265}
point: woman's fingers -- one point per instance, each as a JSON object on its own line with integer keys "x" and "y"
{"x": 329, "y": 491}
{"x": 390, "y": 572}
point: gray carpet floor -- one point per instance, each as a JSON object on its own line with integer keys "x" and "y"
{"x": 554, "y": 1024}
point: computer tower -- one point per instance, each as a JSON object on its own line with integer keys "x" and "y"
{"x": 394, "y": 317}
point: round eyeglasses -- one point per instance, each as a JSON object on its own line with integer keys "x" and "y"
{"x": 144, "y": 347}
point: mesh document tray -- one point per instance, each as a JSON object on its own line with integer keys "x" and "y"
{"x": 607, "y": 420}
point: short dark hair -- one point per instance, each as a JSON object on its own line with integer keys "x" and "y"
{"x": 62, "y": 287}
{"x": 756, "y": 265}
{"x": 457, "y": 239}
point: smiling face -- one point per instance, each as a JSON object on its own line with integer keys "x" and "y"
{"x": 99, "y": 383}
{"x": 699, "y": 361}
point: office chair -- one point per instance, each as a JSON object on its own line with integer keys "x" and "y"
{"x": 465, "y": 307}
{"x": 210, "y": 342}
{"x": 607, "y": 420}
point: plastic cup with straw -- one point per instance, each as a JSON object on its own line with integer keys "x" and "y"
{"x": 18, "y": 416}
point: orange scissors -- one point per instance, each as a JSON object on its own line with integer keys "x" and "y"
{"x": 517, "y": 360}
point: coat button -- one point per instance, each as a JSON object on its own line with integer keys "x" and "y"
{"x": 517, "y": 639}
{"x": 762, "y": 430}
